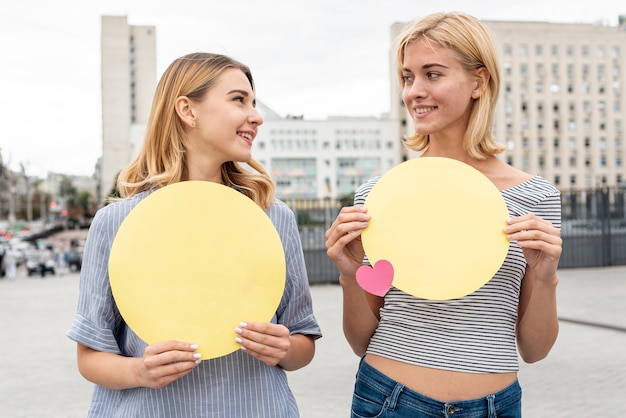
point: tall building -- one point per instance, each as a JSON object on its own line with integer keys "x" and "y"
{"x": 128, "y": 81}
{"x": 561, "y": 111}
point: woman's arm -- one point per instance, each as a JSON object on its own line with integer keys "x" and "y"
{"x": 161, "y": 365}
{"x": 344, "y": 247}
{"x": 537, "y": 325}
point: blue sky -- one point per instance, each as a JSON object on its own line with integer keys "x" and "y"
{"x": 316, "y": 58}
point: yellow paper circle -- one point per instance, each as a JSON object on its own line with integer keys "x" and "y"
{"x": 440, "y": 223}
{"x": 193, "y": 260}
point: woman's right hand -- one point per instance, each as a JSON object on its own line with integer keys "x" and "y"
{"x": 167, "y": 361}
{"x": 343, "y": 239}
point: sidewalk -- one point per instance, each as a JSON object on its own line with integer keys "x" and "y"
{"x": 583, "y": 377}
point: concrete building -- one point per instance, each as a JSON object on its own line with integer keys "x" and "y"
{"x": 128, "y": 82}
{"x": 561, "y": 112}
{"x": 325, "y": 158}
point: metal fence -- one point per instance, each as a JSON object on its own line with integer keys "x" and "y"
{"x": 593, "y": 230}
{"x": 594, "y": 227}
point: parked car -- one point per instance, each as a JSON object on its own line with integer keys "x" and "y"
{"x": 75, "y": 259}
{"x": 34, "y": 261}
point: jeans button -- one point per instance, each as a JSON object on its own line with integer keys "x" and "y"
{"x": 450, "y": 409}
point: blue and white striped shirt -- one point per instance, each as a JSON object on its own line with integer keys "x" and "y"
{"x": 235, "y": 385}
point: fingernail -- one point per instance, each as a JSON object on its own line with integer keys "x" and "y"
{"x": 194, "y": 346}
{"x": 243, "y": 324}
{"x": 238, "y": 330}
{"x": 238, "y": 340}
{"x": 198, "y": 362}
{"x": 197, "y": 355}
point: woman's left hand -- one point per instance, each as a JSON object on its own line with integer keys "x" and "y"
{"x": 267, "y": 342}
{"x": 540, "y": 241}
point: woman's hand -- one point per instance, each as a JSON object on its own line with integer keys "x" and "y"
{"x": 267, "y": 342}
{"x": 166, "y": 362}
{"x": 161, "y": 364}
{"x": 540, "y": 241}
{"x": 343, "y": 239}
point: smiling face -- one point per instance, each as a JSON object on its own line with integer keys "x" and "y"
{"x": 223, "y": 123}
{"x": 438, "y": 91}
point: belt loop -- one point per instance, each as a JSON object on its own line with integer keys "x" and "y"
{"x": 395, "y": 394}
{"x": 491, "y": 406}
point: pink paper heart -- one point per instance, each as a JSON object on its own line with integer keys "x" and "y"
{"x": 377, "y": 279}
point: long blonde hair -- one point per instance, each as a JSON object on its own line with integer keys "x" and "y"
{"x": 475, "y": 48}
{"x": 161, "y": 160}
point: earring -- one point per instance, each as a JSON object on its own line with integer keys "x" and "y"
{"x": 193, "y": 124}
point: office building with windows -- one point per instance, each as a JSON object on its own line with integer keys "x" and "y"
{"x": 325, "y": 158}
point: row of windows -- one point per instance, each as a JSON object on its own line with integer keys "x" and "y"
{"x": 588, "y": 182}
{"x": 586, "y": 106}
{"x": 289, "y": 144}
{"x": 585, "y": 70}
{"x": 313, "y": 132}
{"x": 571, "y": 125}
{"x": 555, "y": 88}
{"x": 583, "y": 50}
{"x": 291, "y": 132}
{"x": 510, "y": 144}
{"x": 572, "y": 161}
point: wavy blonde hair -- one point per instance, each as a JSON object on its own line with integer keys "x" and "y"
{"x": 161, "y": 160}
{"x": 475, "y": 48}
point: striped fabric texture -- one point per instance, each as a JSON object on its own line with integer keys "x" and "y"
{"x": 475, "y": 333}
{"x": 235, "y": 385}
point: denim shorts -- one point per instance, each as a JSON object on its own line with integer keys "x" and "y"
{"x": 378, "y": 396}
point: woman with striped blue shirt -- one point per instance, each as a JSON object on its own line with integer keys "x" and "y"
{"x": 202, "y": 123}
{"x": 459, "y": 357}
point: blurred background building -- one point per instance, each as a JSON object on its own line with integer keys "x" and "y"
{"x": 128, "y": 82}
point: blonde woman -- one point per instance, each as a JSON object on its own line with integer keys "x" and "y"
{"x": 453, "y": 358}
{"x": 202, "y": 124}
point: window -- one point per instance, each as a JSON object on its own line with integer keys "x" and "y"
{"x": 522, "y": 50}
{"x": 506, "y": 67}
{"x": 523, "y": 70}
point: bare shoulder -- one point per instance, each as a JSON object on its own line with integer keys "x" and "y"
{"x": 503, "y": 175}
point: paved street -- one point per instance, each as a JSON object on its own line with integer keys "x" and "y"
{"x": 584, "y": 376}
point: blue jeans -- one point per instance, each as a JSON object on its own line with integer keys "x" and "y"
{"x": 378, "y": 396}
